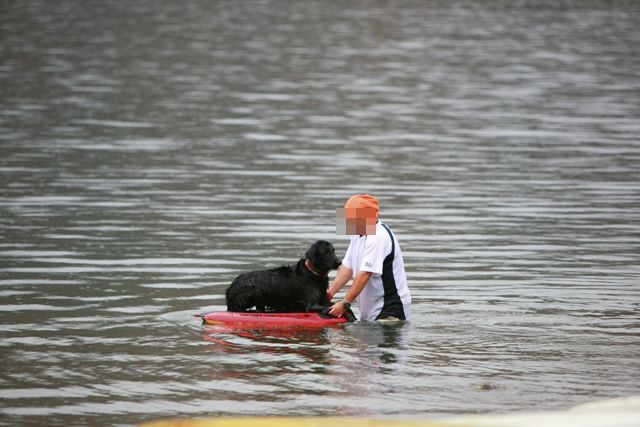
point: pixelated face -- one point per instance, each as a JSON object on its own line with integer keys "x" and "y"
{"x": 352, "y": 221}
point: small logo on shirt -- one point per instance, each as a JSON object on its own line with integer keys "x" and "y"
{"x": 367, "y": 264}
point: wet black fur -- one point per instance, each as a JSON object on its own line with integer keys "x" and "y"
{"x": 287, "y": 288}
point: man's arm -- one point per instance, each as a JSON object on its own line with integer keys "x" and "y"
{"x": 359, "y": 283}
{"x": 342, "y": 277}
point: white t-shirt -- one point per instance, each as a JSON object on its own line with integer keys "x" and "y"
{"x": 367, "y": 253}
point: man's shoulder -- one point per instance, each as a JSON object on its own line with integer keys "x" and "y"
{"x": 383, "y": 226}
{"x": 381, "y": 236}
{"x": 383, "y": 229}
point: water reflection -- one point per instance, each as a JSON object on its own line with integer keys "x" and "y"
{"x": 386, "y": 342}
{"x": 309, "y": 343}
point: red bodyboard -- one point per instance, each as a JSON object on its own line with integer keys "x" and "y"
{"x": 266, "y": 320}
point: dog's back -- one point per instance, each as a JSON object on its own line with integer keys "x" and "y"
{"x": 262, "y": 289}
{"x": 286, "y": 288}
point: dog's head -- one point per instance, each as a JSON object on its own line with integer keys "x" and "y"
{"x": 323, "y": 256}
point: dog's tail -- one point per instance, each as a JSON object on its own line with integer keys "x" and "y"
{"x": 236, "y": 298}
{"x": 232, "y": 300}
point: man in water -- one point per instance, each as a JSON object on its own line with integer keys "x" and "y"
{"x": 374, "y": 262}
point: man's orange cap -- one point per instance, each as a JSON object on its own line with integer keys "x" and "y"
{"x": 363, "y": 201}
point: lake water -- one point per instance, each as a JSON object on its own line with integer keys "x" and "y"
{"x": 151, "y": 151}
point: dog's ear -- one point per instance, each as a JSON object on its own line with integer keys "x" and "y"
{"x": 312, "y": 253}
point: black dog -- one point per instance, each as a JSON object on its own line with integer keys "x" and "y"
{"x": 286, "y": 289}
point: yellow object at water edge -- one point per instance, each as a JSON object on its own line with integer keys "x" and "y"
{"x": 622, "y": 412}
{"x": 291, "y": 422}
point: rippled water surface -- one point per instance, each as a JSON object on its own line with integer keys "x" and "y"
{"x": 151, "y": 151}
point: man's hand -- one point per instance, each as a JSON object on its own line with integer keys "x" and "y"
{"x": 337, "y": 309}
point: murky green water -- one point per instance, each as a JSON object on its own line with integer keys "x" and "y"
{"x": 152, "y": 151}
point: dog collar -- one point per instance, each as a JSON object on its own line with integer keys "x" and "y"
{"x": 312, "y": 269}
